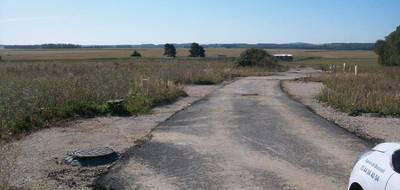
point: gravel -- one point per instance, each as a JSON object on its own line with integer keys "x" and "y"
{"x": 375, "y": 129}
{"x": 36, "y": 161}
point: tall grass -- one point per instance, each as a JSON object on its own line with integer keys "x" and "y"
{"x": 34, "y": 94}
{"x": 374, "y": 90}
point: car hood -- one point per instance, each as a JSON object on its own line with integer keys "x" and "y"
{"x": 387, "y": 147}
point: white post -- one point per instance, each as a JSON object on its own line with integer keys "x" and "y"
{"x": 145, "y": 85}
{"x": 355, "y": 70}
{"x": 344, "y": 67}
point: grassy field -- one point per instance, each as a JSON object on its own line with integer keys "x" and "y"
{"x": 376, "y": 89}
{"x": 38, "y": 88}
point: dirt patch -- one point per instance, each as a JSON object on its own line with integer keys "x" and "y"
{"x": 375, "y": 129}
{"x": 36, "y": 161}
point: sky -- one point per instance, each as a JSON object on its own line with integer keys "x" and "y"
{"x": 110, "y": 22}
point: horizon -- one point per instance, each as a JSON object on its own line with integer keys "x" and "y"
{"x": 207, "y": 22}
{"x": 188, "y": 43}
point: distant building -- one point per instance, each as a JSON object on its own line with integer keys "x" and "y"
{"x": 284, "y": 57}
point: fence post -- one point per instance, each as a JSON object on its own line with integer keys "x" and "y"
{"x": 145, "y": 85}
{"x": 344, "y": 67}
{"x": 356, "y": 70}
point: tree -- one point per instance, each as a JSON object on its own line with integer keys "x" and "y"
{"x": 388, "y": 50}
{"x": 136, "y": 54}
{"x": 256, "y": 57}
{"x": 197, "y": 50}
{"x": 169, "y": 50}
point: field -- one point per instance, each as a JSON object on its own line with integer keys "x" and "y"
{"x": 376, "y": 89}
{"x": 39, "y": 87}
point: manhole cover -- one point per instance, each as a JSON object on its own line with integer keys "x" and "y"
{"x": 92, "y": 157}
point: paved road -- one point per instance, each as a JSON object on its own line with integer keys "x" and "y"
{"x": 246, "y": 135}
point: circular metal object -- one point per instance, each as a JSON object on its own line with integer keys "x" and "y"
{"x": 94, "y": 152}
{"x": 92, "y": 157}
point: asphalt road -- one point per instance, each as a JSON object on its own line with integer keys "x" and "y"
{"x": 246, "y": 135}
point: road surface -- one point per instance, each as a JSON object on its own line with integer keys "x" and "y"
{"x": 246, "y": 135}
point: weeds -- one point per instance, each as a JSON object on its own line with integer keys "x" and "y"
{"x": 34, "y": 94}
{"x": 375, "y": 91}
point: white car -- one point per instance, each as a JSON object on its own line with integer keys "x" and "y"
{"x": 377, "y": 169}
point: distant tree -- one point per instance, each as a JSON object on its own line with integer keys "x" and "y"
{"x": 169, "y": 50}
{"x": 136, "y": 54}
{"x": 197, "y": 50}
{"x": 256, "y": 57}
{"x": 388, "y": 50}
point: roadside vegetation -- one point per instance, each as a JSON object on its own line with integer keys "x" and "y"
{"x": 37, "y": 94}
{"x": 376, "y": 88}
{"x": 373, "y": 91}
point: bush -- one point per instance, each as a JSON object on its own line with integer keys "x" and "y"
{"x": 169, "y": 50}
{"x": 256, "y": 57}
{"x": 389, "y": 49}
{"x": 136, "y": 54}
{"x": 197, "y": 50}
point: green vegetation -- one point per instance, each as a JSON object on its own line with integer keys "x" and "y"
{"x": 197, "y": 50}
{"x": 136, "y": 54}
{"x": 389, "y": 49}
{"x": 169, "y": 50}
{"x": 256, "y": 57}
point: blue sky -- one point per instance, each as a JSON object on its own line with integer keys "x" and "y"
{"x": 203, "y": 21}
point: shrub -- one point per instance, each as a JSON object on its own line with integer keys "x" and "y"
{"x": 197, "y": 50}
{"x": 256, "y": 57}
{"x": 389, "y": 49}
{"x": 136, "y": 54}
{"x": 169, "y": 50}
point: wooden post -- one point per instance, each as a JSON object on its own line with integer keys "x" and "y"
{"x": 356, "y": 70}
{"x": 169, "y": 83}
{"x": 145, "y": 85}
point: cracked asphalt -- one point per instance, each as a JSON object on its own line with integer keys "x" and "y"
{"x": 246, "y": 135}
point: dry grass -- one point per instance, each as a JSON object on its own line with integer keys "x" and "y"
{"x": 375, "y": 91}
{"x": 158, "y": 53}
{"x": 34, "y": 94}
{"x": 74, "y": 54}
